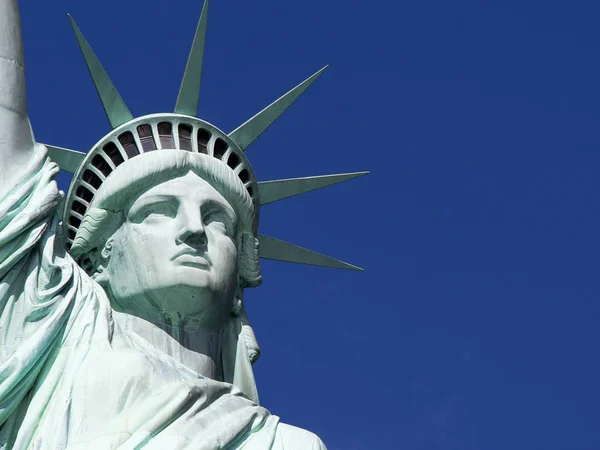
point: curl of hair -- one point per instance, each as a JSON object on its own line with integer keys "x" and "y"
{"x": 249, "y": 261}
{"x": 97, "y": 227}
{"x": 249, "y": 337}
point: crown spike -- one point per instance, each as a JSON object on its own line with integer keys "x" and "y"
{"x": 247, "y": 133}
{"x": 272, "y": 191}
{"x": 189, "y": 93}
{"x": 270, "y": 248}
{"x": 114, "y": 107}
{"x": 68, "y": 160}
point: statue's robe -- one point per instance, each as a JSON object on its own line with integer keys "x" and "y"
{"x": 70, "y": 378}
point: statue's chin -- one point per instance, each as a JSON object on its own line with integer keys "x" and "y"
{"x": 189, "y": 300}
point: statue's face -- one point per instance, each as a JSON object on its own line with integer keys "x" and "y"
{"x": 175, "y": 255}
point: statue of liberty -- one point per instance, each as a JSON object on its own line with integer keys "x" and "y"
{"x": 122, "y": 322}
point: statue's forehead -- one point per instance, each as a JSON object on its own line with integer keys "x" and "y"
{"x": 189, "y": 186}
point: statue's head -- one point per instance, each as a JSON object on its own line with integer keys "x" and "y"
{"x": 172, "y": 231}
{"x": 169, "y": 204}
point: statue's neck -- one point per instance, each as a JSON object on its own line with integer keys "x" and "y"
{"x": 197, "y": 349}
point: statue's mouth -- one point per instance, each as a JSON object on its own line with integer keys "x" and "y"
{"x": 192, "y": 258}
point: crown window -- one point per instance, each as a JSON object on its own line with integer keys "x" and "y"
{"x": 100, "y": 163}
{"x": 244, "y": 175}
{"x": 233, "y": 161}
{"x": 79, "y": 208}
{"x": 74, "y": 221}
{"x": 113, "y": 153}
{"x": 185, "y": 136}
{"x": 84, "y": 193}
{"x": 91, "y": 178}
{"x": 165, "y": 133}
{"x": 220, "y": 148}
{"x": 203, "y": 138}
{"x": 128, "y": 143}
{"x": 146, "y": 137}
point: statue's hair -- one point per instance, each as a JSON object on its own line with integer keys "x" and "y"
{"x": 247, "y": 334}
{"x": 250, "y": 338}
{"x": 134, "y": 177}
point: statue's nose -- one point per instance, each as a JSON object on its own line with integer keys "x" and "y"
{"x": 192, "y": 232}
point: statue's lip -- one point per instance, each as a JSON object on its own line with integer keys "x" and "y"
{"x": 192, "y": 257}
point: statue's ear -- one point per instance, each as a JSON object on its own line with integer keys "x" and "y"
{"x": 100, "y": 263}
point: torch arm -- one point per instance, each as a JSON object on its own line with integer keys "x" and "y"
{"x": 16, "y": 137}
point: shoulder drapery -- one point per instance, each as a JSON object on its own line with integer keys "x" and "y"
{"x": 36, "y": 283}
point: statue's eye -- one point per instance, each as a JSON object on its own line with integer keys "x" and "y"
{"x": 162, "y": 209}
{"x": 217, "y": 219}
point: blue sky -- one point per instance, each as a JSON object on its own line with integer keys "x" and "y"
{"x": 475, "y": 324}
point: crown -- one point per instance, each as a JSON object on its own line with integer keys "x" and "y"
{"x": 181, "y": 130}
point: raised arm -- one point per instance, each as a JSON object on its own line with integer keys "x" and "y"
{"x": 16, "y": 138}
